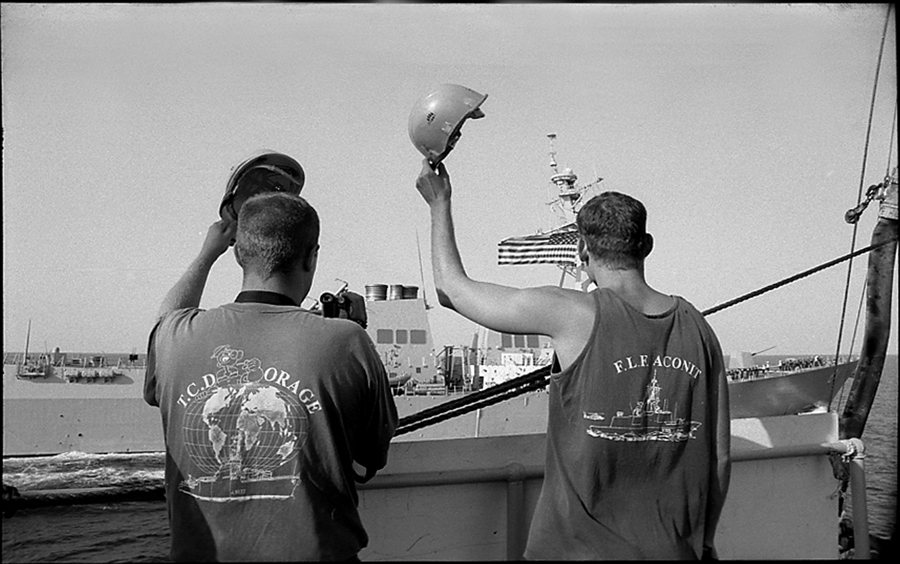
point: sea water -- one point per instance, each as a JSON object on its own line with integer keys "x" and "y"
{"x": 138, "y": 531}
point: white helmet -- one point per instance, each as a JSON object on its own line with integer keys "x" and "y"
{"x": 436, "y": 119}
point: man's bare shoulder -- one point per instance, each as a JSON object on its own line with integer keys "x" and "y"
{"x": 566, "y": 305}
{"x": 568, "y": 294}
{"x": 574, "y": 316}
{"x": 560, "y": 301}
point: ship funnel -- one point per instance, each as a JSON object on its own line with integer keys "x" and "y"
{"x": 395, "y": 292}
{"x": 376, "y": 292}
{"x": 381, "y": 292}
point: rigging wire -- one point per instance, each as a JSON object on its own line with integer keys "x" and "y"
{"x": 862, "y": 177}
{"x": 788, "y": 280}
{"x": 890, "y": 156}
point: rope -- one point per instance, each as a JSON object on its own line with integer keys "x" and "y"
{"x": 795, "y": 277}
{"x": 471, "y": 398}
{"x": 891, "y": 144}
{"x": 538, "y": 379}
{"x": 530, "y": 382}
{"x": 837, "y": 352}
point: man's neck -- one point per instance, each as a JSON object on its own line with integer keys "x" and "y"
{"x": 295, "y": 290}
{"x": 618, "y": 280}
{"x": 631, "y": 286}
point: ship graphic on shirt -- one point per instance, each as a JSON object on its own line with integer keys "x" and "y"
{"x": 242, "y": 435}
{"x": 649, "y": 420}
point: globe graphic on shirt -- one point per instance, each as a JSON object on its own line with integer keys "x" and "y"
{"x": 251, "y": 427}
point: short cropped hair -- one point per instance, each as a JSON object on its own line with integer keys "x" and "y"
{"x": 613, "y": 227}
{"x": 275, "y": 231}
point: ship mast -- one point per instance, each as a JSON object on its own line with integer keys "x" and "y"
{"x": 27, "y": 342}
{"x": 569, "y": 199}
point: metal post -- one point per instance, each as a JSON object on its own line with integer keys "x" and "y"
{"x": 861, "y": 549}
{"x": 515, "y": 512}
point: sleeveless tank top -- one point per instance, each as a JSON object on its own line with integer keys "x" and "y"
{"x": 629, "y": 441}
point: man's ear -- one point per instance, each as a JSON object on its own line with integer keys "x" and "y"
{"x": 582, "y": 251}
{"x": 312, "y": 259}
{"x": 647, "y": 244}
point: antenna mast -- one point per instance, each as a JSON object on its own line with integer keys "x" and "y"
{"x": 569, "y": 198}
{"x": 421, "y": 272}
{"x": 27, "y": 341}
{"x": 569, "y": 193}
{"x": 553, "y": 164}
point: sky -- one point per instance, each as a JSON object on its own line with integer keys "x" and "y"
{"x": 743, "y": 129}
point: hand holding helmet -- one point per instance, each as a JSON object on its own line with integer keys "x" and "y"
{"x": 219, "y": 237}
{"x": 434, "y": 185}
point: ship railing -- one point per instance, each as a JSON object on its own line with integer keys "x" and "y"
{"x": 126, "y": 363}
{"x": 423, "y": 389}
{"x": 473, "y": 499}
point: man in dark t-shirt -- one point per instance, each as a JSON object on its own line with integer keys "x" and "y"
{"x": 265, "y": 406}
{"x": 638, "y": 434}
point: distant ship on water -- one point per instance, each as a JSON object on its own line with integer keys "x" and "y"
{"x": 58, "y": 402}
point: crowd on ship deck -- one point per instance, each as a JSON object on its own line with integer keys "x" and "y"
{"x": 786, "y": 365}
{"x": 747, "y": 373}
{"x": 801, "y": 363}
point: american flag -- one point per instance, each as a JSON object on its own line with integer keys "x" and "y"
{"x": 560, "y": 246}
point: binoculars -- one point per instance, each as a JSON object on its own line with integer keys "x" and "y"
{"x": 332, "y": 305}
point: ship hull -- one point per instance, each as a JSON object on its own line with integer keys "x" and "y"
{"x": 794, "y": 392}
{"x": 46, "y": 416}
{"x": 33, "y": 426}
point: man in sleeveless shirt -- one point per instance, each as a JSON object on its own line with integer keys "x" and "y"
{"x": 265, "y": 406}
{"x": 638, "y": 434}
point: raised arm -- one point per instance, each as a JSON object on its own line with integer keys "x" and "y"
{"x": 545, "y": 310}
{"x": 189, "y": 288}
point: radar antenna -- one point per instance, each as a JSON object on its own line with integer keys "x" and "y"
{"x": 569, "y": 196}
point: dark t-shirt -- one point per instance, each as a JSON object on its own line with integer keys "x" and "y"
{"x": 630, "y": 439}
{"x": 265, "y": 408}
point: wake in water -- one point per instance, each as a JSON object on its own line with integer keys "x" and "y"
{"x": 73, "y": 470}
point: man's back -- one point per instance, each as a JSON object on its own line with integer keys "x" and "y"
{"x": 630, "y": 438}
{"x": 265, "y": 408}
